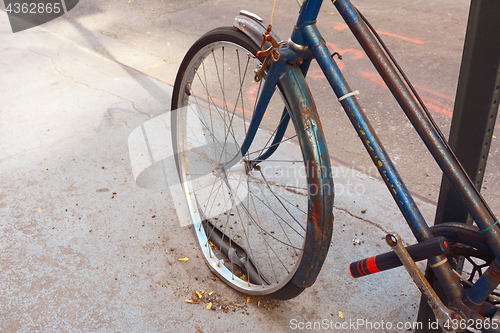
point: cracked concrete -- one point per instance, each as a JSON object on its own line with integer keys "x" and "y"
{"x": 363, "y": 219}
{"x": 86, "y": 85}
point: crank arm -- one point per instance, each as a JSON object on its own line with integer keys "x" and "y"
{"x": 441, "y": 312}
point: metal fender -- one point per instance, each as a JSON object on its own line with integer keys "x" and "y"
{"x": 310, "y": 133}
{"x": 252, "y": 26}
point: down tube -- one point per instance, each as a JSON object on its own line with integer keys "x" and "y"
{"x": 403, "y": 199}
{"x": 367, "y": 135}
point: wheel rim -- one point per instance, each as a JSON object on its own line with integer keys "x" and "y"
{"x": 261, "y": 213}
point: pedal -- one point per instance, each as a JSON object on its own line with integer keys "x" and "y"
{"x": 382, "y": 262}
{"x": 441, "y": 312}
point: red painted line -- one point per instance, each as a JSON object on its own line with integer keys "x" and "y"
{"x": 413, "y": 40}
{"x": 373, "y": 77}
{"x": 432, "y": 104}
{"x": 340, "y": 26}
{"x": 435, "y": 93}
{"x": 429, "y": 102}
{"x": 357, "y": 54}
{"x": 161, "y": 79}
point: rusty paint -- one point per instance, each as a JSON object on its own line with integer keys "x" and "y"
{"x": 310, "y": 133}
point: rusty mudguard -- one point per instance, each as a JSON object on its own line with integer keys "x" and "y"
{"x": 310, "y": 133}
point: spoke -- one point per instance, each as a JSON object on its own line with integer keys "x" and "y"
{"x": 277, "y": 216}
{"x": 277, "y": 143}
{"x": 291, "y": 204}
{"x": 236, "y": 208}
{"x": 291, "y": 215}
{"x": 213, "y": 103}
{"x": 264, "y": 238}
{"x": 249, "y": 251}
{"x": 241, "y": 85}
{"x": 281, "y": 225}
{"x": 278, "y": 161}
{"x": 289, "y": 188}
{"x": 224, "y": 101}
{"x": 265, "y": 232}
{"x": 208, "y": 199}
{"x": 204, "y": 123}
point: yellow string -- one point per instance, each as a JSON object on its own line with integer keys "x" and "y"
{"x": 272, "y": 14}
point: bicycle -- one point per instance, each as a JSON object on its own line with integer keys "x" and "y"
{"x": 259, "y": 187}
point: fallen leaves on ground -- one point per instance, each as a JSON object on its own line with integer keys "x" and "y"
{"x": 193, "y": 300}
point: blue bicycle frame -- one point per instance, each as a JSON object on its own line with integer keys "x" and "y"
{"x": 305, "y": 44}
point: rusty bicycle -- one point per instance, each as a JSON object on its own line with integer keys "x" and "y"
{"x": 253, "y": 162}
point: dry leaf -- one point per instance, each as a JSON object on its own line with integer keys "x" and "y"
{"x": 39, "y": 210}
{"x": 210, "y": 293}
{"x": 248, "y": 299}
{"x": 209, "y": 306}
{"x": 217, "y": 278}
{"x": 341, "y": 315}
{"x": 197, "y": 293}
{"x": 183, "y": 259}
{"x": 192, "y": 301}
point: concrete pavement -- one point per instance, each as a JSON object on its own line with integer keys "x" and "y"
{"x": 86, "y": 248}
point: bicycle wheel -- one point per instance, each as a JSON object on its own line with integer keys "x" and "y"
{"x": 254, "y": 220}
